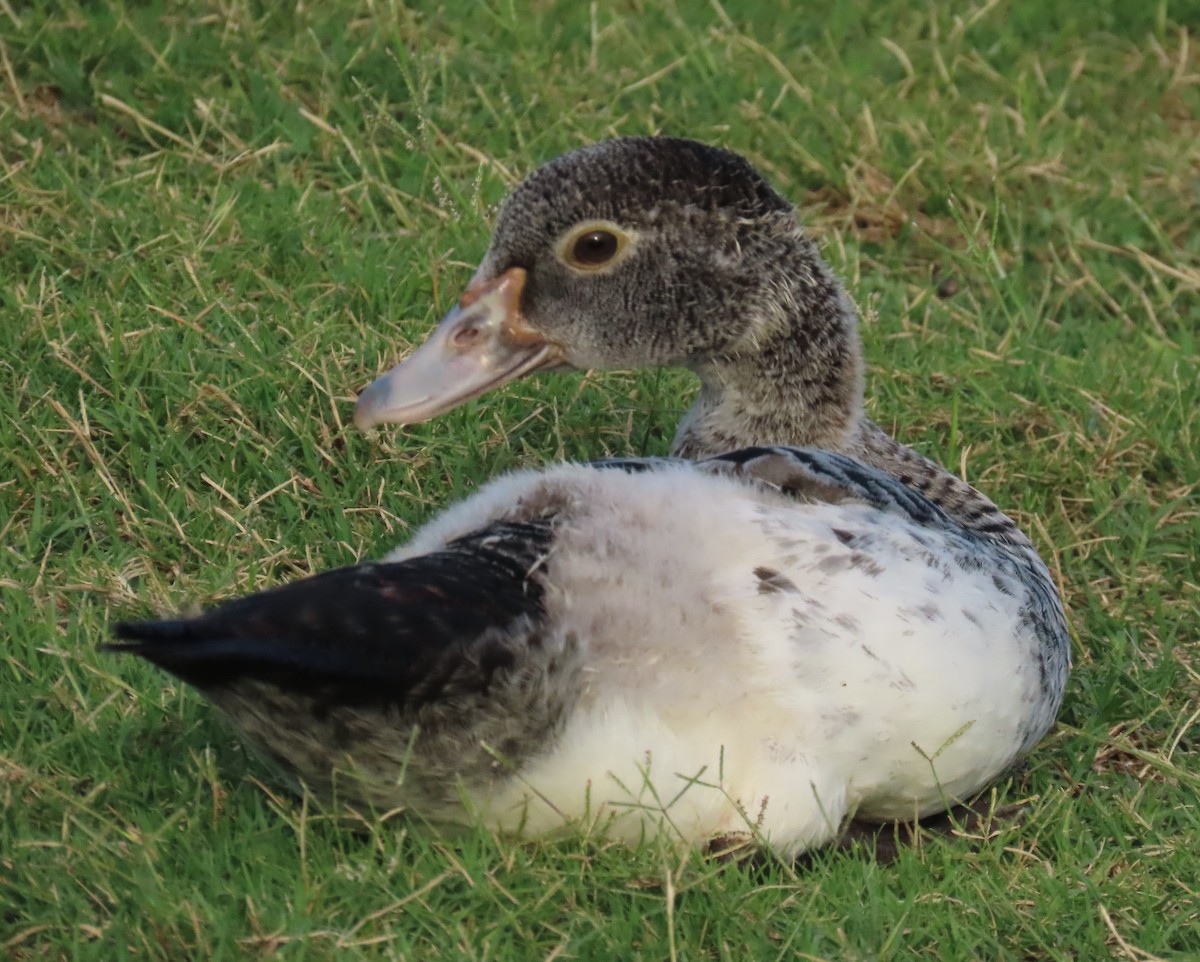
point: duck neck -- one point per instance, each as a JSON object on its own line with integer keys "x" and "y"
{"x": 794, "y": 377}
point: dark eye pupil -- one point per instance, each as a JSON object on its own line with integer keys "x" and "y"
{"x": 594, "y": 247}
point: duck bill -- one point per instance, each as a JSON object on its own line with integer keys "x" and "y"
{"x": 482, "y": 343}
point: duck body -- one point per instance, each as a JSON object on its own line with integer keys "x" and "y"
{"x": 770, "y": 641}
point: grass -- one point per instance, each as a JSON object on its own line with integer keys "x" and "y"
{"x": 220, "y": 218}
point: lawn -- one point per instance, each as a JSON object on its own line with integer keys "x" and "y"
{"x": 219, "y": 219}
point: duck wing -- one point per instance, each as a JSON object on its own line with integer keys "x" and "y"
{"x": 398, "y": 633}
{"x": 814, "y": 475}
{"x": 809, "y": 475}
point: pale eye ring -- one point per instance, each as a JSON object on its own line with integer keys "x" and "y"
{"x": 594, "y": 246}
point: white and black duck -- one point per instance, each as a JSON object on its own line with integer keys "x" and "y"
{"x": 771, "y": 640}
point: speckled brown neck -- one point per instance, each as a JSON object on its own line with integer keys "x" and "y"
{"x": 741, "y": 405}
{"x": 794, "y": 375}
{"x": 798, "y": 381}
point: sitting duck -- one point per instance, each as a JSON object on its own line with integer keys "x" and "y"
{"x": 794, "y": 622}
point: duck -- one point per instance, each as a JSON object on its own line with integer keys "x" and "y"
{"x": 791, "y": 623}
{"x": 759, "y": 645}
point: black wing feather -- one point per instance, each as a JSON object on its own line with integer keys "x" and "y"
{"x": 371, "y": 632}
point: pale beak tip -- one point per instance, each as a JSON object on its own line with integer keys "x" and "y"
{"x": 370, "y": 403}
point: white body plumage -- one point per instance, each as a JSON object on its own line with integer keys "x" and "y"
{"x": 749, "y": 661}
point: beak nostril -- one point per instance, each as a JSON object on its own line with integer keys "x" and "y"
{"x": 466, "y": 336}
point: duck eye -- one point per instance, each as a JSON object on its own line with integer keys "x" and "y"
{"x": 594, "y": 248}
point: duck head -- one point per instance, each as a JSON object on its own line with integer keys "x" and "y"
{"x": 639, "y": 252}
